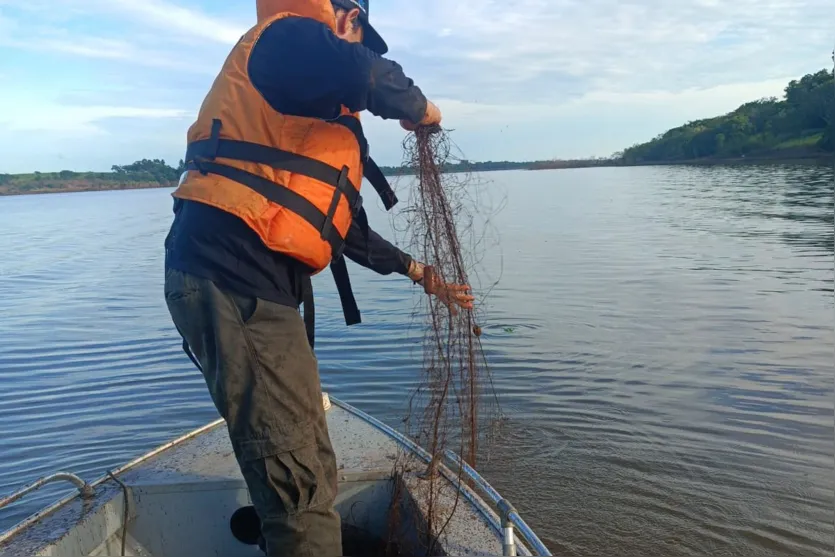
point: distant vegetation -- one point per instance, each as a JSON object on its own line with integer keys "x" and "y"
{"x": 463, "y": 166}
{"x": 802, "y": 124}
{"x": 490, "y": 166}
{"x": 141, "y": 174}
{"x": 152, "y": 170}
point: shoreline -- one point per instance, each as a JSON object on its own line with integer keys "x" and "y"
{"x": 8, "y": 190}
{"x": 91, "y": 188}
{"x": 820, "y": 157}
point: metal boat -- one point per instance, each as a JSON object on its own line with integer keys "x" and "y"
{"x": 188, "y": 498}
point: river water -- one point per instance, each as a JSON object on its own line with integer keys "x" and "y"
{"x": 661, "y": 341}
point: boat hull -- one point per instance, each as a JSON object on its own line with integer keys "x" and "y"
{"x": 181, "y": 499}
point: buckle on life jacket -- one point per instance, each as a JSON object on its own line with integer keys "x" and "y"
{"x": 198, "y": 164}
{"x": 357, "y": 206}
{"x": 214, "y": 139}
{"x": 341, "y": 186}
{"x": 371, "y": 170}
{"x": 210, "y": 154}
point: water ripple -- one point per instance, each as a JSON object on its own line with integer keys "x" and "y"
{"x": 661, "y": 342}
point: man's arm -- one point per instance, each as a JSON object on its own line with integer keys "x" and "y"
{"x": 300, "y": 67}
{"x": 378, "y": 254}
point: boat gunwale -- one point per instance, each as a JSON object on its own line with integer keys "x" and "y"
{"x": 527, "y": 533}
{"x": 472, "y": 497}
{"x": 107, "y": 476}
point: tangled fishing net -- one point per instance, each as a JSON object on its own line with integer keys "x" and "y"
{"x": 454, "y": 407}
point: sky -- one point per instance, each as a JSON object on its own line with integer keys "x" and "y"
{"x": 86, "y": 84}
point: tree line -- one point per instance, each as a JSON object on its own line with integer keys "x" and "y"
{"x": 153, "y": 169}
{"x": 803, "y": 121}
{"x": 462, "y": 166}
{"x": 147, "y": 173}
{"x": 490, "y": 166}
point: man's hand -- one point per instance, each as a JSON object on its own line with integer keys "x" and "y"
{"x": 452, "y": 295}
{"x": 431, "y": 118}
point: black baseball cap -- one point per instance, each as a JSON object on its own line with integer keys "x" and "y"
{"x": 370, "y": 37}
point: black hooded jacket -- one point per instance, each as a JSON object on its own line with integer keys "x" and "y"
{"x": 301, "y": 68}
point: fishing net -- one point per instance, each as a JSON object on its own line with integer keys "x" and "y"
{"x": 454, "y": 407}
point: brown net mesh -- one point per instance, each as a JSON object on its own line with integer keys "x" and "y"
{"x": 453, "y": 406}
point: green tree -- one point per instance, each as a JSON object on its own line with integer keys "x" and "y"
{"x": 760, "y": 126}
{"x": 812, "y": 99}
{"x": 148, "y": 170}
{"x": 719, "y": 138}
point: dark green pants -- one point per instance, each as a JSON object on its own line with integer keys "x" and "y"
{"x": 264, "y": 380}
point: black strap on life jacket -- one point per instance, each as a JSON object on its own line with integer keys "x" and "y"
{"x": 309, "y": 310}
{"x": 209, "y": 150}
{"x": 200, "y": 156}
{"x": 279, "y": 195}
{"x": 371, "y": 171}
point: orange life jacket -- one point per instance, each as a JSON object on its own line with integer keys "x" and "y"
{"x": 294, "y": 180}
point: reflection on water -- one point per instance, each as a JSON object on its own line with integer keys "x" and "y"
{"x": 661, "y": 340}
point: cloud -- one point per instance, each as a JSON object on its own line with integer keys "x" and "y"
{"x": 595, "y": 124}
{"x": 81, "y": 120}
{"x": 718, "y": 100}
{"x": 46, "y": 40}
{"x": 516, "y": 78}
{"x": 547, "y": 49}
{"x": 48, "y": 136}
{"x": 91, "y": 47}
{"x": 149, "y": 33}
{"x": 184, "y": 21}
{"x": 177, "y": 21}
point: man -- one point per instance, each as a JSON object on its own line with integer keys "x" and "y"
{"x": 275, "y": 161}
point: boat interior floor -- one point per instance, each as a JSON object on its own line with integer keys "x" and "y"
{"x": 182, "y": 502}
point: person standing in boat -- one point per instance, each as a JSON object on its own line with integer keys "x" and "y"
{"x": 275, "y": 161}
